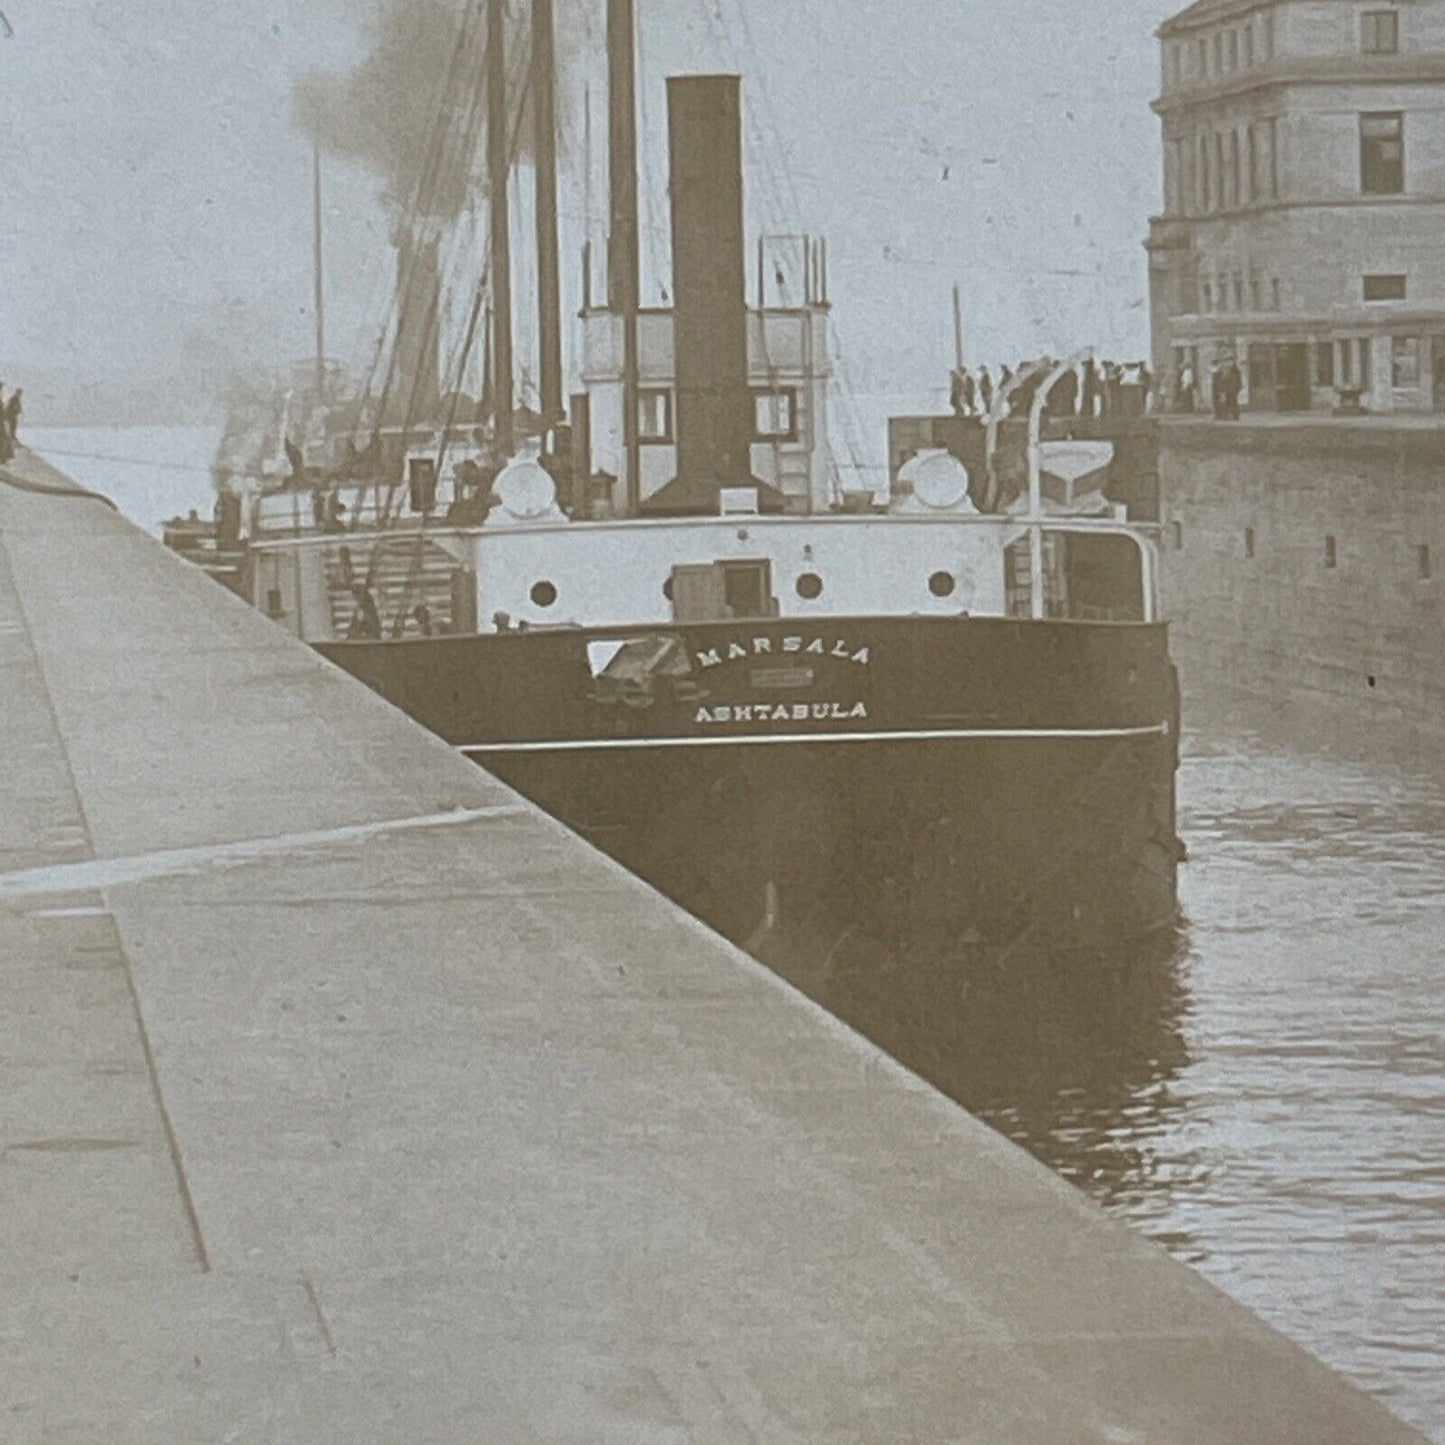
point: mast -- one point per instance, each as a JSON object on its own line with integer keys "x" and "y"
{"x": 957, "y": 328}
{"x": 549, "y": 282}
{"x": 498, "y": 177}
{"x": 320, "y": 293}
{"x": 623, "y": 281}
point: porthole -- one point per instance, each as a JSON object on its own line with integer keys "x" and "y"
{"x": 941, "y": 584}
{"x": 543, "y": 594}
{"x": 810, "y": 586}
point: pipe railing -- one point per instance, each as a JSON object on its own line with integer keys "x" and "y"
{"x": 1035, "y": 466}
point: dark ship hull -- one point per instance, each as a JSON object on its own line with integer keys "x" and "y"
{"x": 976, "y": 779}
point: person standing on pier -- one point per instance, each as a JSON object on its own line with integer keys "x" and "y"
{"x": 1089, "y": 388}
{"x": 1186, "y": 387}
{"x": 1233, "y": 385}
{"x": 956, "y": 402}
{"x": 985, "y": 390}
{"x": 1064, "y": 399}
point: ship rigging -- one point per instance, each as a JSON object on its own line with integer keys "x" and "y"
{"x": 654, "y": 611}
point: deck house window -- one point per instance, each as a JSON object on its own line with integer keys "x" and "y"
{"x": 1380, "y": 32}
{"x": 1382, "y": 153}
{"x": 654, "y": 415}
{"x": 775, "y": 415}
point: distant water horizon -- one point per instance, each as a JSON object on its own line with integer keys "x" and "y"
{"x": 152, "y": 473}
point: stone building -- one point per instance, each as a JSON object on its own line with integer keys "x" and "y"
{"x": 1304, "y": 202}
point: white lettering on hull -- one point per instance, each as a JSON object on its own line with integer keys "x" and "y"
{"x": 761, "y": 712}
{"x": 841, "y": 648}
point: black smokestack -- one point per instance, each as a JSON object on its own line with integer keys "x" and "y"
{"x": 714, "y": 411}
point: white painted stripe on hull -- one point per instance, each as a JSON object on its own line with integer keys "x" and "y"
{"x": 757, "y": 739}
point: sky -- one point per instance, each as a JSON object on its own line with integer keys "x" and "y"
{"x": 155, "y": 225}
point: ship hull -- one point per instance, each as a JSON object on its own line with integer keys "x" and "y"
{"x": 1003, "y": 782}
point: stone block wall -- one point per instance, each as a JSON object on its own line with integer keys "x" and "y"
{"x": 1305, "y": 561}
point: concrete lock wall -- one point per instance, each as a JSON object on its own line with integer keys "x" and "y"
{"x": 1309, "y": 559}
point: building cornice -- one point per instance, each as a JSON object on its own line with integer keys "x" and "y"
{"x": 1341, "y": 70}
{"x": 1291, "y": 433}
{"x": 1193, "y": 221}
{"x": 1301, "y": 326}
{"x": 1202, "y": 17}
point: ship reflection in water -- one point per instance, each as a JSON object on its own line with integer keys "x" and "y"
{"x": 1264, "y": 1093}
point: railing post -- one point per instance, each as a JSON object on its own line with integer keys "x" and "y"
{"x": 1036, "y": 498}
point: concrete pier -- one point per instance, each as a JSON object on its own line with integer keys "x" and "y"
{"x": 344, "y": 1098}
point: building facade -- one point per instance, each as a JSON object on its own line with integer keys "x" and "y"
{"x": 1304, "y": 203}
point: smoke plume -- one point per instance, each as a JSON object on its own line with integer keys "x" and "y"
{"x": 413, "y": 111}
{"x": 410, "y": 110}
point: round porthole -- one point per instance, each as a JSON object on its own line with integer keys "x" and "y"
{"x": 941, "y": 584}
{"x": 543, "y": 594}
{"x": 810, "y": 586}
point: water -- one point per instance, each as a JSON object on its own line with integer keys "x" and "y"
{"x": 152, "y": 473}
{"x": 1264, "y": 1094}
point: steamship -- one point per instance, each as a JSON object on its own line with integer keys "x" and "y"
{"x": 787, "y": 705}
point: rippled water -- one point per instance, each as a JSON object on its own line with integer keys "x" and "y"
{"x": 1298, "y": 1160}
{"x": 1265, "y": 1092}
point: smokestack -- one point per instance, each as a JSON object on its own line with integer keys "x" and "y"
{"x": 416, "y": 382}
{"x": 714, "y": 432}
{"x": 714, "y": 405}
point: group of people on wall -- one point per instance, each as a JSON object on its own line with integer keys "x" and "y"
{"x": 1097, "y": 389}
{"x": 1091, "y": 389}
{"x": 10, "y": 413}
{"x": 1226, "y": 385}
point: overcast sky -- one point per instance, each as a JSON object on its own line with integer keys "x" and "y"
{"x": 155, "y": 201}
